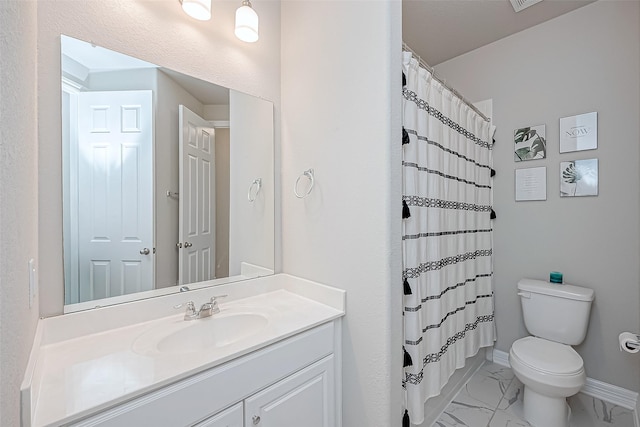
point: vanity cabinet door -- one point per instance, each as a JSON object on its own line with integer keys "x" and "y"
{"x": 231, "y": 417}
{"x": 305, "y": 398}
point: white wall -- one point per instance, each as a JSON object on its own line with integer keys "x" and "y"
{"x": 167, "y": 175}
{"x": 587, "y": 60}
{"x": 251, "y": 224}
{"x": 222, "y": 201}
{"x": 157, "y": 32}
{"x": 18, "y": 197}
{"x": 341, "y": 88}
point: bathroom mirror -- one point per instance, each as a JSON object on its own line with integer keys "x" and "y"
{"x": 167, "y": 180}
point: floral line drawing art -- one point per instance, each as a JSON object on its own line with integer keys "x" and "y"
{"x": 579, "y": 178}
{"x": 530, "y": 143}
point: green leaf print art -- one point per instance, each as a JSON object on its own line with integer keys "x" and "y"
{"x": 579, "y": 178}
{"x": 530, "y": 143}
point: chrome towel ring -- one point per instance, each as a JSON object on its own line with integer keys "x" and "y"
{"x": 309, "y": 175}
{"x": 254, "y": 189}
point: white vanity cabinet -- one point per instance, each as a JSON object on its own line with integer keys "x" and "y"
{"x": 231, "y": 417}
{"x": 294, "y": 382}
{"x": 302, "y": 399}
{"x": 305, "y": 398}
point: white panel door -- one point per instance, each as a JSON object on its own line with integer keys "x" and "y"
{"x": 115, "y": 193}
{"x": 305, "y": 398}
{"x": 197, "y": 222}
{"x": 230, "y": 417}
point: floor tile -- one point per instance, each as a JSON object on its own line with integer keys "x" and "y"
{"x": 493, "y": 397}
{"x": 506, "y": 419}
{"x": 512, "y": 400}
{"x": 465, "y": 411}
{"x": 489, "y": 384}
{"x": 587, "y": 411}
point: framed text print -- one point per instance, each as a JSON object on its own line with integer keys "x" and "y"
{"x": 579, "y": 133}
{"x": 531, "y": 184}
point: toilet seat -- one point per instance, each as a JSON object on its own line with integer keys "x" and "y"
{"x": 547, "y": 357}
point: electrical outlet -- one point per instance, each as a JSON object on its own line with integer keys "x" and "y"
{"x": 33, "y": 281}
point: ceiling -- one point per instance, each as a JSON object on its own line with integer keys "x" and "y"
{"x": 439, "y": 30}
{"x": 98, "y": 59}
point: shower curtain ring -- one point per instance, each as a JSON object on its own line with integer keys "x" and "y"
{"x": 309, "y": 175}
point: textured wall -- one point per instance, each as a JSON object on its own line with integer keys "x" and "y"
{"x": 341, "y": 116}
{"x": 158, "y": 32}
{"x": 18, "y": 197}
{"x": 587, "y": 60}
{"x": 250, "y": 224}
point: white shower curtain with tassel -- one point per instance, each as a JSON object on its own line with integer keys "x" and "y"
{"x": 447, "y": 235}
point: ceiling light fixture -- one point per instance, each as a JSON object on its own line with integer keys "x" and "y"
{"x": 197, "y": 9}
{"x": 246, "y": 23}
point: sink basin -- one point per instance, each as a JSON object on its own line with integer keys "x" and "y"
{"x": 182, "y": 337}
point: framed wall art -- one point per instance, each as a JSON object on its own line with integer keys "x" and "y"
{"x": 579, "y": 178}
{"x": 531, "y": 184}
{"x": 578, "y": 133}
{"x": 530, "y": 143}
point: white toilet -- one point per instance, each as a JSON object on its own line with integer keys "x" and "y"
{"x": 556, "y": 316}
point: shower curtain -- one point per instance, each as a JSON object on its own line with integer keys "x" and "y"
{"x": 447, "y": 235}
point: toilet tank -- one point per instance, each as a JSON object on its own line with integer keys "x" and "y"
{"x": 555, "y": 312}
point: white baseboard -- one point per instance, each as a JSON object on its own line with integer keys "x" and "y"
{"x": 501, "y": 358}
{"x": 608, "y": 392}
{"x": 611, "y": 393}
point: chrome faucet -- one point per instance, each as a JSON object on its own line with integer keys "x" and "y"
{"x": 207, "y": 310}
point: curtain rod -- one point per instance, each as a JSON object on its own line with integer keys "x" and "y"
{"x": 443, "y": 82}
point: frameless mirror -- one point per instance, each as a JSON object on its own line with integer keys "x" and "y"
{"x": 167, "y": 180}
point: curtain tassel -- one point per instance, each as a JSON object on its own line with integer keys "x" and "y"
{"x": 405, "y": 419}
{"x": 407, "y": 288}
{"x": 407, "y": 358}
{"x": 493, "y": 214}
{"x": 405, "y": 137}
{"x": 406, "y": 213}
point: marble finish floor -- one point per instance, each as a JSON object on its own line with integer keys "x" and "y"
{"x": 493, "y": 398}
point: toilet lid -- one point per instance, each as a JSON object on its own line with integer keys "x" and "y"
{"x": 547, "y": 356}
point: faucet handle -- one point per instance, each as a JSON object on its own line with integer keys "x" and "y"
{"x": 214, "y": 303}
{"x": 190, "y": 312}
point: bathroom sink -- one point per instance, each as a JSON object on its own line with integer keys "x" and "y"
{"x": 177, "y": 336}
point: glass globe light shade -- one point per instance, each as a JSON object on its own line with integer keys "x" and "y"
{"x": 246, "y": 23}
{"x": 197, "y": 9}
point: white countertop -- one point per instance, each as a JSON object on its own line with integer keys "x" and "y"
{"x": 77, "y": 369}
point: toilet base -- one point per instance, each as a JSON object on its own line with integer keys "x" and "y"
{"x": 545, "y": 411}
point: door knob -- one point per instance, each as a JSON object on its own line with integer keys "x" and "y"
{"x": 179, "y": 245}
{"x": 145, "y": 251}
{"x": 187, "y": 244}
{"x": 256, "y": 420}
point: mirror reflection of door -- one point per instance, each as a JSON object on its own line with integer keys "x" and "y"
{"x": 197, "y": 219}
{"x": 113, "y": 174}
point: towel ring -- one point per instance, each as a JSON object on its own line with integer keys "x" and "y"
{"x": 309, "y": 175}
{"x": 257, "y": 184}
